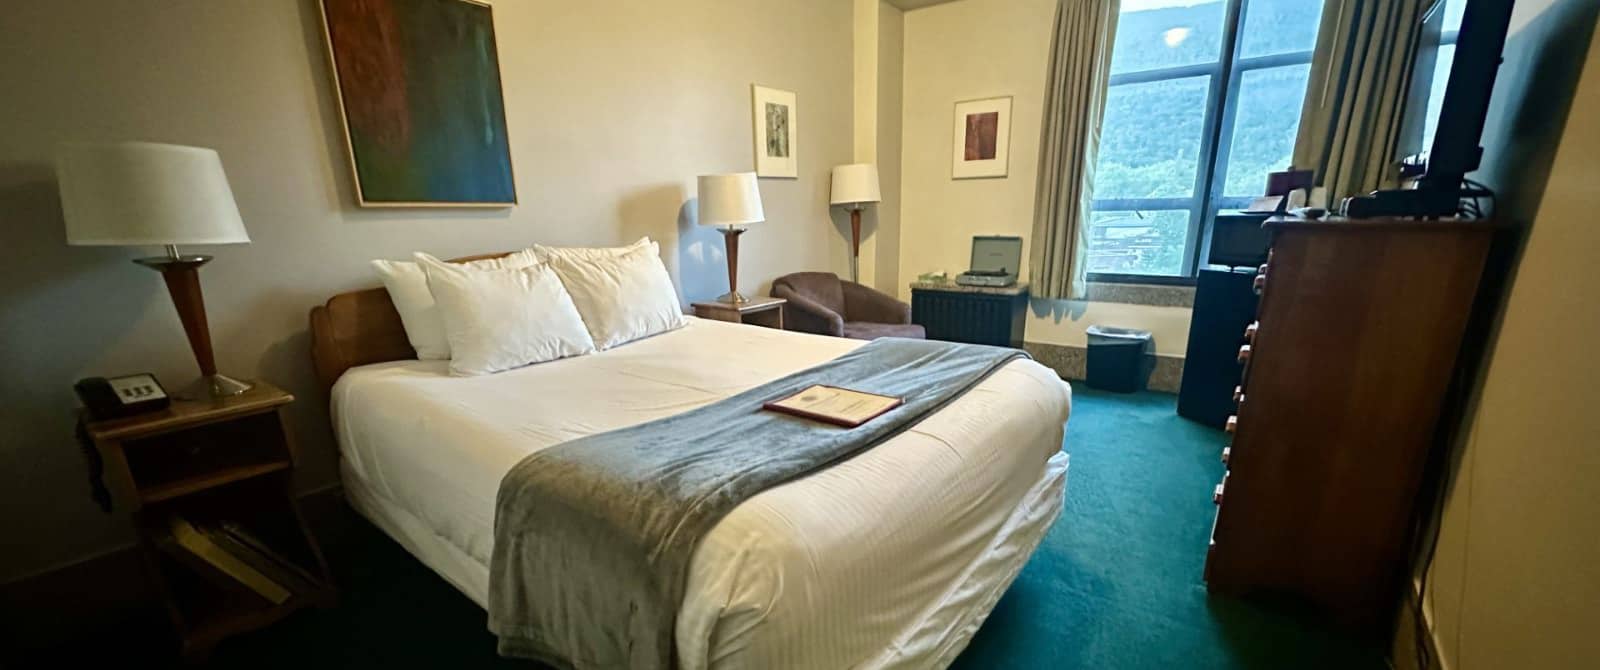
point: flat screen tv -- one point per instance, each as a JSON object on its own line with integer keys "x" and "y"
{"x": 1467, "y": 56}
{"x": 1452, "y": 78}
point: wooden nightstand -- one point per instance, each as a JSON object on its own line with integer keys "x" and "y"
{"x": 223, "y": 467}
{"x": 757, "y": 312}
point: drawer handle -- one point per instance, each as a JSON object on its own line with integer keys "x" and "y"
{"x": 1232, "y": 425}
{"x": 1250, "y": 331}
{"x": 1244, "y": 354}
{"x": 1238, "y": 395}
{"x": 1216, "y": 494}
{"x": 1226, "y": 452}
{"x": 1259, "y": 284}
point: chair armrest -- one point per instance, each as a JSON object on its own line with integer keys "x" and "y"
{"x": 806, "y": 315}
{"x": 865, "y": 304}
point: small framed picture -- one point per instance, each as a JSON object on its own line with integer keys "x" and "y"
{"x": 982, "y": 140}
{"x": 776, "y": 132}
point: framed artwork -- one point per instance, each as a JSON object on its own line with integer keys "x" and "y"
{"x": 982, "y": 142}
{"x": 776, "y": 132}
{"x": 418, "y": 88}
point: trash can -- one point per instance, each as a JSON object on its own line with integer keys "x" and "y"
{"x": 1120, "y": 359}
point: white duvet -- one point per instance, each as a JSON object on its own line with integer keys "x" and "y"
{"x": 890, "y": 559}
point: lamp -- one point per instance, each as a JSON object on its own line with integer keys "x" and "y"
{"x": 854, "y": 186}
{"x": 730, "y": 201}
{"x": 145, "y": 194}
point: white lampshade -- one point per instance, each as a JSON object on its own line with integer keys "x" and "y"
{"x": 856, "y": 183}
{"x": 140, "y": 193}
{"x": 730, "y": 200}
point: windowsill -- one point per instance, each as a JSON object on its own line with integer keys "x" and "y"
{"x": 1140, "y": 293}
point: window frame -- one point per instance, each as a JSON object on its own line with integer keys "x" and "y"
{"x": 1216, "y": 144}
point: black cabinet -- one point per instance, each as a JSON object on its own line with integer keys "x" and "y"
{"x": 1224, "y": 304}
{"x": 974, "y": 315}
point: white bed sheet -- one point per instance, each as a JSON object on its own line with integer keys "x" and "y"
{"x": 890, "y": 559}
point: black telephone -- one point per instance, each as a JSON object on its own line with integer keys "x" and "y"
{"x": 119, "y": 397}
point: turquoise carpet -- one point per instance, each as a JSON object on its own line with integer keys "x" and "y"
{"x": 1116, "y": 584}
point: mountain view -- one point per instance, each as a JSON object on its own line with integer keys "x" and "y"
{"x": 1152, "y": 135}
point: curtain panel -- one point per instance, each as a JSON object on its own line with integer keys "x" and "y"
{"x": 1074, "y": 105}
{"x": 1355, "y": 100}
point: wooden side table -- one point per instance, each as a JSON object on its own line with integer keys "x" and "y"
{"x": 215, "y": 474}
{"x": 766, "y": 312}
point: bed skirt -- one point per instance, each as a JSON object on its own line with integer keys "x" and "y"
{"x": 945, "y": 625}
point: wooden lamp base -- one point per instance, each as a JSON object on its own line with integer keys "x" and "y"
{"x": 182, "y": 275}
{"x": 855, "y": 243}
{"x": 730, "y": 242}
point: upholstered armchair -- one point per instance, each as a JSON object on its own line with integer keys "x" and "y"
{"x": 820, "y": 302}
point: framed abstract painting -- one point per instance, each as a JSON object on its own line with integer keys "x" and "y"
{"x": 982, "y": 141}
{"x": 776, "y": 132}
{"x": 418, "y": 88}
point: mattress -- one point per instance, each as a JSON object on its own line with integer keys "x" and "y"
{"x": 889, "y": 559}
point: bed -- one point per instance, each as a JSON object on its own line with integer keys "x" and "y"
{"x": 890, "y": 559}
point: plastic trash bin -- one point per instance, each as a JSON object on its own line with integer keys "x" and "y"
{"x": 1120, "y": 359}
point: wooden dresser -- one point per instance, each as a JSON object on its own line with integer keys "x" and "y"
{"x": 1346, "y": 367}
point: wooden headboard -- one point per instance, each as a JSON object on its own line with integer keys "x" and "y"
{"x": 360, "y": 328}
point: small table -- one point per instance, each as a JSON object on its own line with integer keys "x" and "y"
{"x": 766, "y": 312}
{"x": 223, "y": 466}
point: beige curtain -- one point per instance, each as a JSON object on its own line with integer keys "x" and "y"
{"x": 1351, "y": 120}
{"x": 1074, "y": 104}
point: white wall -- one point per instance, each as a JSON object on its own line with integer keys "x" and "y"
{"x": 878, "y": 31}
{"x": 977, "y": 49}
{"x": 891, "y": 87}
{"x": 1516, "y": 578}
{"x": 613, "y": 109}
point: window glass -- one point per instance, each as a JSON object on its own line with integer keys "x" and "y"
{"x": 1169, "y": 92}
{"x": 1145, "y": 243}
{"x": 1264, "y": 127}
{"x": 1443, "y": 59}
{"x": 1150, "y": 139}
{"x": 1155, "y": 34}
{"x": 1279, "y": 26}
{"x": 1453, "y": 11}
{"x": 1441, "y": 76}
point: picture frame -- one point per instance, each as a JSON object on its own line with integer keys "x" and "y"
{"x": 420, "y": 100}
{"x": 981, "y": 139}
{"x": 775, "y": 123}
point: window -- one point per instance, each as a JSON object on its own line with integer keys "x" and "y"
{"x": 1449, "y": 30}
{"x": 1204, "y": 101}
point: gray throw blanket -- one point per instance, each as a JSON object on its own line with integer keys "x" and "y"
{"x": 593, "y": 537}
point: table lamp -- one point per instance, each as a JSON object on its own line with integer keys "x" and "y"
{"x": 145, "y": 194}
{"x": 730, "y": 201}
{"x": 854, "y": 186}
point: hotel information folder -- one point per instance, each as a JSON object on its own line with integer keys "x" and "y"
{"x": 838, "y": 406}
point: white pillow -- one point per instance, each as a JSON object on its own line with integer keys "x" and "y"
{"x": 546, "y": 254}
{"x": 622, "y": 298}
{"x": 506, "y": 318}
{"x": 408, "y": 289}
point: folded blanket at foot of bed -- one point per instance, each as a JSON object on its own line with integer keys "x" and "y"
{"x": 593, "y": 537}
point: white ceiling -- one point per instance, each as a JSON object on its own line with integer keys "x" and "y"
{"x": 916, "y": 4}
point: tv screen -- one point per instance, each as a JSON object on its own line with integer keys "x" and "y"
{"x": 1458, "y": 53}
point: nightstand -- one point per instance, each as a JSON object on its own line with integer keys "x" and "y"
{"x": 210, "y": 476}
{"x": 756, "y": 311}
